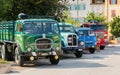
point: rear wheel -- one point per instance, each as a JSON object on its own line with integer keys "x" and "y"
{"x": 18, "y": 58}
{"x": 78, "y": 54}
{"x": 4, "y": 53}
{"x": 54, "y": 59}
{"x": 92, "y": 50}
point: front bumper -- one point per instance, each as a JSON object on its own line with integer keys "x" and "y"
{"x": 87, "y": 47}
{"x": 39, "y": 54}
{"x": 72, "y": 48}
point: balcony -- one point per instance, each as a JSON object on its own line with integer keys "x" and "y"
{"x": 97, "y": 2}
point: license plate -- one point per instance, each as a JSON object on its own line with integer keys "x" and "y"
{"x": 44, "y": 54}
{"x": 79, "y": 49}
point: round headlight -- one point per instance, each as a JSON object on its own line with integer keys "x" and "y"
{"x": 29, "y": 49}
{"x": 69, "y": 38}
{"x": 57, "y": 48}
{"x": 81, "y": 43}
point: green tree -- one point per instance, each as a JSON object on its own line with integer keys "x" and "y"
{"x": 11, "y": 8}
{"x": 93, "y": 16}
{"x": 115, "y": 26}
{"x": 69, "y": 19}
{"x": 4, "y": 6}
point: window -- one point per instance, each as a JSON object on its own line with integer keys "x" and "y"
{"x": 83, "y": 6}
{"x": 39, "y": 27}
{"x": 66, "y": 28}
{"x": 98, "y": 1}
{"x": 19, "y": 28}
{"x": 72, "y": 7}
{"x": 113, "y": 13}
{"x": 77, "y": 7}
{"x": 113, "y": 1}
{"x": 112, "y": 38}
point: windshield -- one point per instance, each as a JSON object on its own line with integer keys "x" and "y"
{"x": 85, "y": 32}
{"x": 40, "y": 27}
{"x": 65, "y": 28}
{"x": 98, "y": 27}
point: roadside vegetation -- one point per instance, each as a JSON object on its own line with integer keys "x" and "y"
{"x": 3, "y": 61}
{"x": 93, "y": 16}
{"x": 11, "y": 8}
{"x": 115, "y": 26}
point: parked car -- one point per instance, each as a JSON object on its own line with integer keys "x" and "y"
{"x": 70, "y": 40}
{"x": 88, "y": 36}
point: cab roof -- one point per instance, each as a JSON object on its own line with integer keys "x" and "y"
{"x": 29, "y": 20}
{"x": 83, "y": 28}
{"x": 60, "y": 23}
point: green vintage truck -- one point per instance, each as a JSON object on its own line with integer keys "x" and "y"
{"x": 30, "y": 39}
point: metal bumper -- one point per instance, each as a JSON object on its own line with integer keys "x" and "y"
{"x": 72, "y": 48}
{"x": 39, "y": 54}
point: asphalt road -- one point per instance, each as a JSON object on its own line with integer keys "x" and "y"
{"x": 105, "y": 62}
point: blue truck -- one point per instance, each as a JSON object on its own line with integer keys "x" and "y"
{"x": 88, "y": 36}
{"x": 69, "y": 39}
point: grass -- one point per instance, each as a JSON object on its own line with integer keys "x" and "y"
{"x": 3, "y": 61}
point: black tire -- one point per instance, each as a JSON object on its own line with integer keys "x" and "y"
{"x": 78, "y": 54}
{"x": 54, "y": 61}
{"x": 102, "y": 47}
{"x": 92, "y": 50}
{"x": 18, "y": 58}
{"x": 4, "y": 53}
{"x": 9, "y": 54}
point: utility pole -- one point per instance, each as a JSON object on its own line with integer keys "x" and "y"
{"x": 107, "y": 8}
{"x": 77, "y": 11}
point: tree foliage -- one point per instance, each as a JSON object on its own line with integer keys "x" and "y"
{"x": 93, "y": 16}
{"x": 69, "y": 19}
{"x": 115, "y": 26}
{"x": 11, "y": 8}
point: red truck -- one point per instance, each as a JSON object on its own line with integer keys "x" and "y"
{"x": 101, "y": 31}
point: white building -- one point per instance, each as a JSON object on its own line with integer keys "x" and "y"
{"x": 80, "y": 8}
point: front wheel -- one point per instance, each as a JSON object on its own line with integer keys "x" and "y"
{"x": 92, "y": 50}
{"x": 102, "y": 47}
{"x": 18, "y": 58}
{"x": 54, "y": 59}
{"x": 78, "y": 54}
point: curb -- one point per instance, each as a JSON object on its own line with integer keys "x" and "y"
{"x": 113, "y": 45}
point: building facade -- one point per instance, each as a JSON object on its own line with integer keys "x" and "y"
{"x": 80, "y": 8}
{"x": 112, "y": 9}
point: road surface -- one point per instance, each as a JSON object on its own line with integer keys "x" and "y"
{"x": 105, "y": 62}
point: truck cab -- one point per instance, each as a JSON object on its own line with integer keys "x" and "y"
{"x": 69, "y": 40}
{"x": 88, "y": 36}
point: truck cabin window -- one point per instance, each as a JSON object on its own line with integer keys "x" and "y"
{"x": 86, "y": 32}
{"x": 98, "y": 27}
{"x": 65, "y": 28}
{"x": 40, "y": 27}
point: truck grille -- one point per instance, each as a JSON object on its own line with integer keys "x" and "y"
{"x": 88, "y": 43}
{"x": 72, "y": 40}
{"x": 100, "y": 34}
{"x": 43, "y": 43}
